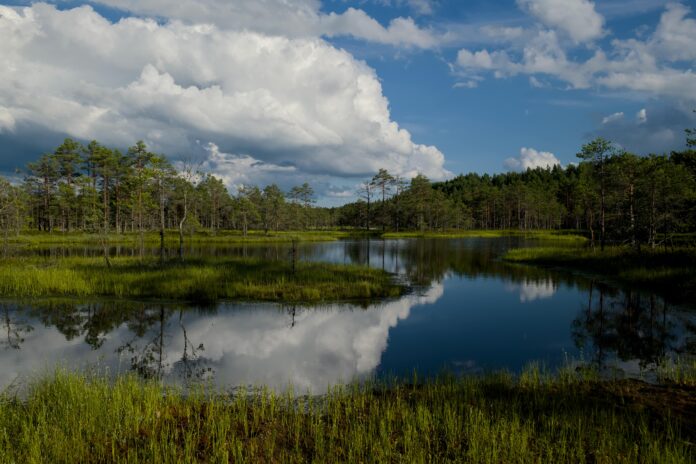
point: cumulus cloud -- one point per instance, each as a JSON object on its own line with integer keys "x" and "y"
{"x": 280, "y": 104}
{"x": 675, "y": 35}
{"x": 576, "y": 18}
{"x": 239, "y": 170}
{"x": 658, "y": 65}
{"x": 288, "y": 18}
{"x": 612, "y": 117}
{"x": 531, "y": 159}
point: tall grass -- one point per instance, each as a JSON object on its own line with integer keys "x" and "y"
{"x": 203, "y": 280}
{"x": 69, "y": 417}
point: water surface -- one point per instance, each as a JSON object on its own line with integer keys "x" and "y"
{"x": 468, "y": 312}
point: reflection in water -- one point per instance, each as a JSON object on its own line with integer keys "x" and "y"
{"x": 233, "y": 345}
{"x": 533, "y": 290}
{"x": 630, "y": 326}
{"x": 468, "y": 320}
{"x": 14, "y": 329}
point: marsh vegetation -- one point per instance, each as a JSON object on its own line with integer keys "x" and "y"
{"x": 536, "y": 416}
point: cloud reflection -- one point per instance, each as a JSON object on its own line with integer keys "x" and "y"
{"x": 243, "y": 344}
{"x": 533, "y": 290}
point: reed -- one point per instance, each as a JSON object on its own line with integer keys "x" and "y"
{"x": 536, "y": 417}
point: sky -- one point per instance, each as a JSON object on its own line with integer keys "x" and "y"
{"x": 328, "y": 92}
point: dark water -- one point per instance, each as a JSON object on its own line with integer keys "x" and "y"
{"x": 469, "y": 312}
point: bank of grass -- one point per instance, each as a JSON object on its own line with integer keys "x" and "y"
{"x": 197, "y": 280}
{"x": 497, "y": 418}
{"x": 670, "y": 271}
{"x": 172, "y": 237}
{"x": 555, "y": 235}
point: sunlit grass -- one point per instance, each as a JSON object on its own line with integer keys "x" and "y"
{"x": 562, "y": 236}
{"x": 192, "y": 280}
{"x": 536, "y": 417}
{"x": 172, "y": 237}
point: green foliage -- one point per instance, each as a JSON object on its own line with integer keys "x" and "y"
{"x": 616, "y": 197}
{"x": 70, "y": 417}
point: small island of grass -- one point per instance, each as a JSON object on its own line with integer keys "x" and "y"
{"x": 194, "y": 280}
{"x": 671, "y": 271}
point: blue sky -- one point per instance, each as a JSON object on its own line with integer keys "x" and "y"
{"x": 329, "y": 91}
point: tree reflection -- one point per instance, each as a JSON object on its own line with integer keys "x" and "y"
{"x": 628, "y": 325}
{"x": 13, "y": 328}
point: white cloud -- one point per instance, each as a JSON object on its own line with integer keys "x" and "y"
{"x": 531, "y": 159}
{"x": 239, "y": 170}
{"x": 675, "y": 35}
{"x": 654, "y": 66}
{"x": 612, "y": 117}
{"x": 283, "y": 102}
{"x": 536, "y": 83}
{"x": 469, "y": 84}
{"x": 576, "y": 18}
{"x": 401, "y": 31}
{"x": 642, "y": 116}
{"x": 288, "y": 18}
{"x": 424, "y": 7}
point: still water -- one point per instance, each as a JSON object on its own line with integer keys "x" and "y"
{"x": 468, "y": 312}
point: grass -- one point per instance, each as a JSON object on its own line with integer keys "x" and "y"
{"x": 671, "y": 272}
{"x": 256, "y": 236}
{"x": 536, "y": 417}
{"x": 172, "y": 237}
{"x": 199, "y": 280}
{"x": 564, "y": 236}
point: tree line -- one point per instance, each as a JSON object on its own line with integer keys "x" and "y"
{"x": 614, "y": 195}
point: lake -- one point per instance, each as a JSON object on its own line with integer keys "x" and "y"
{"x": 467, "y": 312}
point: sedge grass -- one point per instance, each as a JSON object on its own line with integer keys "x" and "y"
{"x": 536, "y": 417}
{"x": 200, "y": 280}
